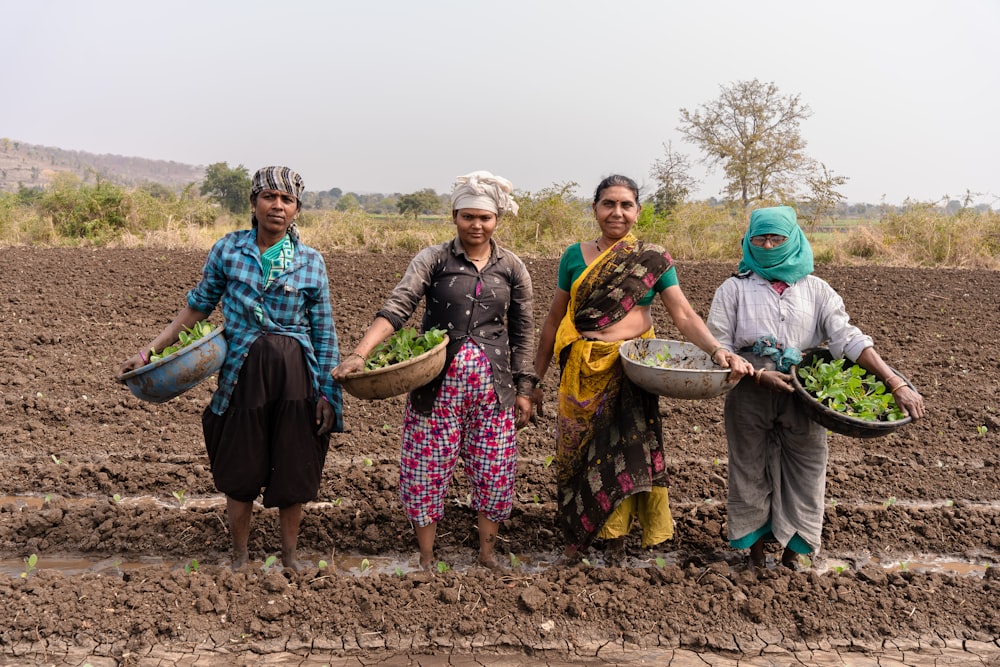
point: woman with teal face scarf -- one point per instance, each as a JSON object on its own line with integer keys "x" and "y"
{"x": 769, "y": 311}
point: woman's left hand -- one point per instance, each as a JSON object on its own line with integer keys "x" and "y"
{"x": 522, "y": 411}
{"x": 324, "y": 417}
{"x": 737, "y": 364}
{"x": 911, "y": 401}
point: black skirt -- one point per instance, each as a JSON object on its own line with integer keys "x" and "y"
{"x": 267, "y": 438}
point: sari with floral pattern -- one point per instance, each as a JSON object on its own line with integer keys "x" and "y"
{"x": 609, "y": 436}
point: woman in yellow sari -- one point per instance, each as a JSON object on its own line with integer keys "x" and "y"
{"x": 609, "y": 451}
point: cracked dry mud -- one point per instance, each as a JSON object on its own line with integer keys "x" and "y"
{"x": 911, "y": 539}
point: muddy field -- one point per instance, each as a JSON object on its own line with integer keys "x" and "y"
{"x": 115, "y": 499}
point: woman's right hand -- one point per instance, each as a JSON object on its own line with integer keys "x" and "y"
{"x": 129, "y": 365}
{"x": 349, "y": 364}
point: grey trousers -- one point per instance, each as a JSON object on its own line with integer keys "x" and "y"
{"x": 777, "y": 465}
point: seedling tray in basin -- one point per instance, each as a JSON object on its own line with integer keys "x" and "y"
{"x": 397, "y": 378}
{"x": 836, "y": 421}
{"x": 159, "y": 381}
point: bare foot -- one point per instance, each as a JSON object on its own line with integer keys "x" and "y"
{"x": 790, "y": 559}
{"x": 757, "y": 557}
{"x": 427, "y": 562}
{"x": 488, "y": 560}
{"x": 240, "y": 559}
{"x": 290, "y": 561}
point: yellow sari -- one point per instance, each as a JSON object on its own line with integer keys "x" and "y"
{"x": 609, "y": 436}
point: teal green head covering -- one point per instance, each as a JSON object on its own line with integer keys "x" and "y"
{"x": 789, "y": 262}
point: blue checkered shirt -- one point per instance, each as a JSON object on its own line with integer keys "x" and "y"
{"x": 296, "y": 304}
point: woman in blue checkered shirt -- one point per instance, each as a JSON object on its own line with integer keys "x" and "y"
{"x": 268, "y": 425}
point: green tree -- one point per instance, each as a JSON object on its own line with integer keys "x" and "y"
{"x": 229, "y": 188}
{"x": 423, "y": 202}
{"x": 347, "y": 202}
{"x": 753, "y": 132}
{"x": 674, "y": 182}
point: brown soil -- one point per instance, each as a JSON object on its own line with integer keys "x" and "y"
{"x": 911, "y": 541}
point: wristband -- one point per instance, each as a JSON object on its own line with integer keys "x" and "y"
{"x": 142, "y": 355}
{"x": 714, "y": 352}
{"x": 362, "y": 358}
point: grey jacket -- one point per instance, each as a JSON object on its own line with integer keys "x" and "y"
{"x": 493, "y": 307}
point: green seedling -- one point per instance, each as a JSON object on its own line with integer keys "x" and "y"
{"x": 269, "y": 563}
{"x": 365, "y": 565}
{"x": 192, "y": 566}
{"x": 661, "y": 561}
{"x": 536, "y": 499}
{"x": 949, "y": 503}
{"x": 117, "y": 498}
{"x": 56, "y": 460}
{"x": 442, "y": 567}
{"x": 514, "y": 560}
{"x": 322, "y": 564}
{"x": 981, "y": 430}
{"x": 716, "y": 462}
{"x": 696, "y": 428}
{"x": 840, "y": 568}
{"x": 338, "y": 502}
{"x": 904, "y": 565}
{"x": 889, "y": 503}
{"x": 187, "y": 336}
{"x": 585, "y": 561}
{"x": 402, "y": 345}
{"x": 369, "y": 463}
{"x": 548, "y": 460}
{"x": 30, "y": 563}
{"x": 47, "y": 499}
{"x": 399, "y": 572}
{"x": 179, "y": 496}
{"x": 852, "y": 391}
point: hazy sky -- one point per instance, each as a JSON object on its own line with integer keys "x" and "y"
{"x": 400, "y": 95}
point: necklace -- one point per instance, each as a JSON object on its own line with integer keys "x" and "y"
{"x": 478, "y": 259}
{"x": 597, "y": 244}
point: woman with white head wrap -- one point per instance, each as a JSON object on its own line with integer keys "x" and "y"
{"x": 480, "y": 293}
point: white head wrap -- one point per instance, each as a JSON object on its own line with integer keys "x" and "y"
{"x": 483, "y": 190}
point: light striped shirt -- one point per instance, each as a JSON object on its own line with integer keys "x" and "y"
{"x": 807, "y": 314}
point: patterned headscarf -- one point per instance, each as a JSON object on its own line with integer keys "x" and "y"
{"x": 281, "y": 179}
{"x": 483, "y": 190}
{"x": 789, "y": 262}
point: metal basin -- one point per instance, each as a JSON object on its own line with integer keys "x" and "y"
{"x": 397, "y": 378}
{"x": 686, "y": 373}
{"x": 174, "y": 374}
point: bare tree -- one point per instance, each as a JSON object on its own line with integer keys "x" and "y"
{"x": 753, "y": 132}
{"x": 672, "y": 174}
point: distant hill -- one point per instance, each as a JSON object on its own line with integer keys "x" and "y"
{"x": 34, "y": 166}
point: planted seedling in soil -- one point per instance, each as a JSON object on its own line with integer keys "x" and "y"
{"x": 30, "y": 563}
{"x": 179, "y": 496}
{"x": 852, "y": 391}
{"x": 402, "y": 345}
{"x": 269, "y": 563}
{"x": 192, "y": 566}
